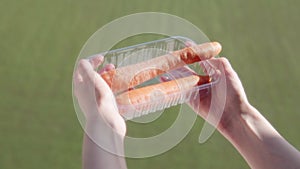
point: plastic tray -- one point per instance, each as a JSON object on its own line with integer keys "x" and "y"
{"x": 142, "y": 52}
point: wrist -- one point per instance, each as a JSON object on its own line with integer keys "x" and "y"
{"x": 102, "y": 127}
{"x": 245, "y": 124}
{"x": 233, "y": 119}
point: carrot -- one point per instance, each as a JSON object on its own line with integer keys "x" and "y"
{"x": 161, "y": 90}
{"x": 124, "y": 78}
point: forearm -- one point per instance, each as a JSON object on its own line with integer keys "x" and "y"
{"x": 259, "y": 143}
{"x": 100, "y": 151}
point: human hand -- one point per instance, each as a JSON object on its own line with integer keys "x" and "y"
{"x": 94, "y": 96}
{"x": 230, "y": 88}
{"x": 234, "y": 95}
{"x": 105, "y": 129}
{"x": 243, "y": 125}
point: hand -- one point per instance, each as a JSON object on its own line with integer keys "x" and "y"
{"x": 252, "y": 135}
{"x": 94, "y": 96}
{"x": 234, "y": 95}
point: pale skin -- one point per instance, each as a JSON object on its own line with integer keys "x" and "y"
{"x": 241, "y": 124}
{"x": 102, "y": 117}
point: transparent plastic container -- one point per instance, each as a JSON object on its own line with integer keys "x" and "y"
{"x": 138, "y": 53}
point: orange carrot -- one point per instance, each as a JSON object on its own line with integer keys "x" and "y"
{"x": 161, "y": 90}
{"x": 127, "y": 77}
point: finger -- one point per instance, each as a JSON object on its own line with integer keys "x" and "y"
{"x": 81, "y": 68}
{"x": 200, "y": 101}
{"x": 101, "y": 71}
{"x": 104, "y": 95}
{"x": 106, "y": 68}
{"x": 207, "y": 67}
{"x": 205, "y": 93}
{"x": 92, "y": 77}
{"x": 77, "y": 77}
{"x": 86, "y": 70}
{"x": 109, "y": 67}
{"x": 101, "y": 91}
{"x": 226, "y": 64}
{"x": 222, "y": 64}
{"x": 96, "y": 61}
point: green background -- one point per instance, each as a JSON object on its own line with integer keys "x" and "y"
{"x": 40, "y": 41}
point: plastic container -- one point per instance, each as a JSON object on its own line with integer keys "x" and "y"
{"x": 142, "y": 52}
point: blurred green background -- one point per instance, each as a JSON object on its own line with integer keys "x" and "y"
{"x": 40, "y": 41}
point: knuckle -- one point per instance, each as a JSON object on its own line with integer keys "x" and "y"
{"x": 226, "y": 64}
{"x": 81, "y": 63}
{"x": 224, "y": 60}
